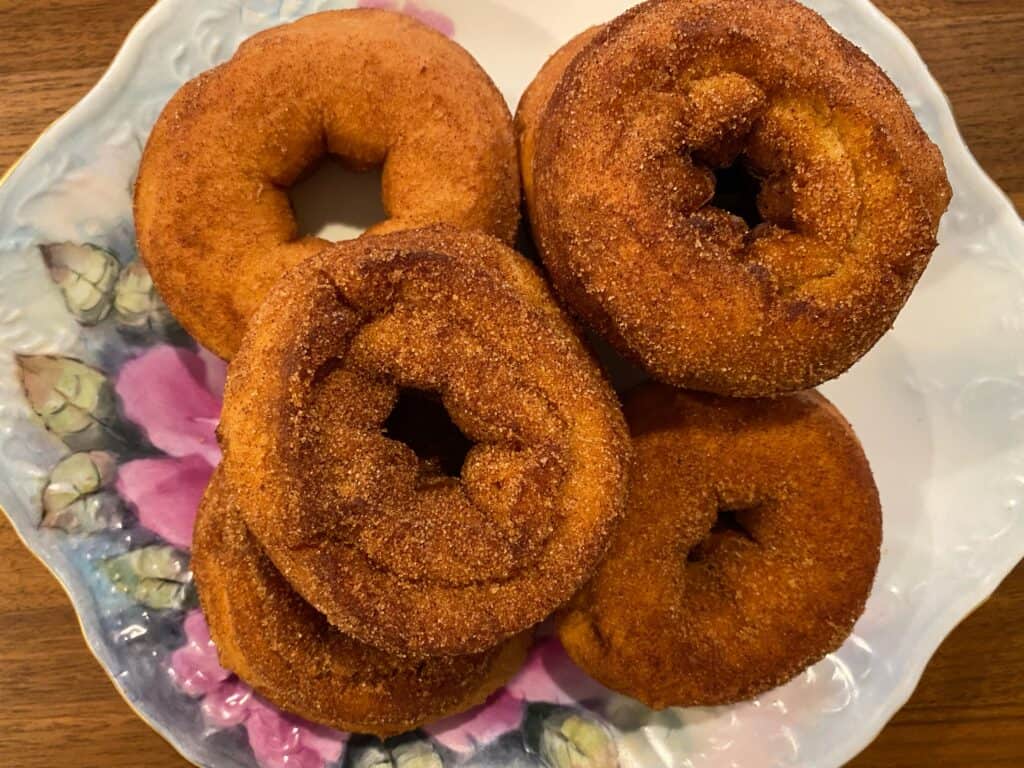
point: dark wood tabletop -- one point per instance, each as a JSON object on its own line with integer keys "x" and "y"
{"x": 57, "y": 706}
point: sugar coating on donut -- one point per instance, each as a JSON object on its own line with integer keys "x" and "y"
{"x": 618, "y": 163}
{"x": 535, "y": 98}
{"x": 286, "y": 650}
{"x": 393, "y": 551}
{"x": 373, "y": 88}
{"x": 747, "y": 551}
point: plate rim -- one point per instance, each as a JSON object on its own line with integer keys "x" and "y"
{"x": 941, "y": 624}
{"x": 934, "y": 631}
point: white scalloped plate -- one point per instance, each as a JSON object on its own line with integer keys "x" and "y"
{"x": 938, "y": 404}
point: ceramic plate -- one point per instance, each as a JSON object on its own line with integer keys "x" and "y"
{"x": 107, "y": 412}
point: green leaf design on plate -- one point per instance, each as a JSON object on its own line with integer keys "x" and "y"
{"x": 75, "y": 401}
{"x": 157, "y": 576}
{"x": 86, "y": 275}
{"x": 138, "y": 306}
{"x": 75, "y": 499}
{"x": 408, "y": 754}
{"x": 570, "y": 738}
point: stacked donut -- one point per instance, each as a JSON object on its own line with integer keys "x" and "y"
{"x": 753, "y": 527}
{"x": 422, "y": 458}
{"x": 422, "y": 461}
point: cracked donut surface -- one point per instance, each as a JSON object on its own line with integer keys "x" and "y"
{"x": 256, "y": 618}
{"x": 373, "y": 88}
{"x": 620, "y": 138}
{"x": 394, "y": 551}
{"x": 747, "y": 551}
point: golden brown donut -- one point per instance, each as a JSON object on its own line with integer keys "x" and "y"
{"x": 212, "y": 215}
{"x": 536, "y": 97}
{"x": 620, "y": 175}
{"x": 747, "y": 552}
{"x": 280, "y": 645}
{"x": 394, "y": 550}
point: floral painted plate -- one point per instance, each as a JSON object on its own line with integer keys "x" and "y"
{"x": 107, "y": 411}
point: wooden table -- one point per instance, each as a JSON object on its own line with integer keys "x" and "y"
{"x": 57, "y": 707}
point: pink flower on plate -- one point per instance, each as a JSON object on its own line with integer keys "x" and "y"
{"x": 284, "y": 741}
{"x": 277, "y": 740}
{"x": 194, "y": 665}
{"x": 227, "y": 704}
{"x": 501, "y": 713}
{"x": 174, "y": 395}
{"x": 418, "y": 11}
{"x": 548, "y": 675}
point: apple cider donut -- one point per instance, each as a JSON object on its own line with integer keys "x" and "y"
{"x": 396, "y": 550}
{"x": 619, "y": 166}
{"x": 279, "y": 644}
{"x": 747, "y": 550}
{"x": 536, "y": 97}
{"x": 373, "y": 88}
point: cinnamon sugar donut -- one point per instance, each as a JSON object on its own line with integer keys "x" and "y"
{"x": 535, "y": 98}
{"x": 619, "y": 168}
{"x": 212, "y": 215}
{"x": 279, "y": 644}
{"x": 747, "y": 551}
{"x": 396, "y": 551}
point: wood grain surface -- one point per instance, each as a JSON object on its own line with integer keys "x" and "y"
{"x": 57, "y": 707}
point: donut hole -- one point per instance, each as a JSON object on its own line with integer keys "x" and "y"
{"x": 420, "y": 421}
{"x": 731, "y": 523}
{"x": 334, "y": 202}
{"x": 736, "y": 191}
